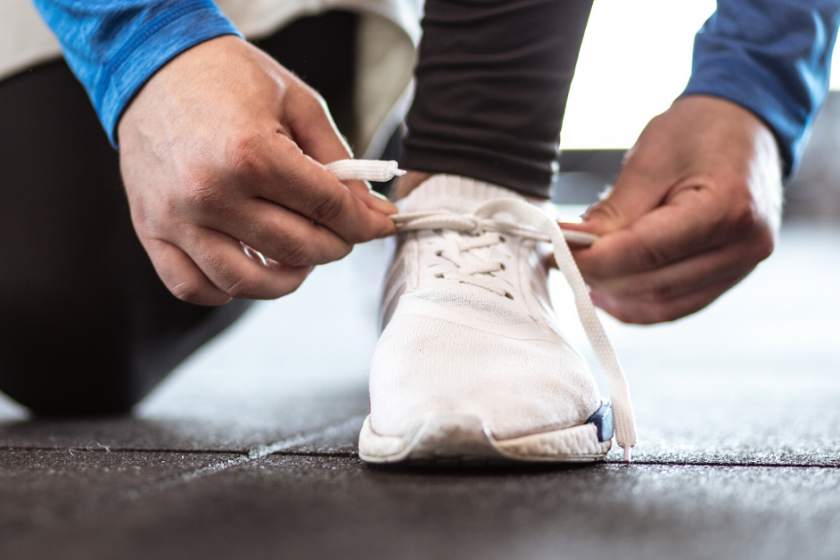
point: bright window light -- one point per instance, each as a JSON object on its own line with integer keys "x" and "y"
{"x": 635, "y": 60}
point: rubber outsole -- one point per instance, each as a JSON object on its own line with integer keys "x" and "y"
{"x": 452, "y": 437}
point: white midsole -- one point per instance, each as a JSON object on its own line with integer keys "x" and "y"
{"x": 446, "y": 436}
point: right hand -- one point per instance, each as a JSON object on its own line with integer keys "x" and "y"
{"x": 223, "y": 145}
{"x": 697, "y": 205}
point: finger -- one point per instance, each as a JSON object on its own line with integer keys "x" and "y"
{"x": 181, "y": 275}
{"x": 690, "y": 223}
{"x": 573, "y": 240}
{"x": 314, "y": 130}
{"x": 647, "y": 313}
{"x": 224, "y": 262}
{"x": 642, "y": 184}
{"x": 382, "y": 204}
{"x": 680, "y": 279}
{"x": 308, "y": 188}
{"x": 279, "y": 233}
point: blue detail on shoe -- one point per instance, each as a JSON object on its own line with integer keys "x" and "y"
{"x": 603, "y": 420}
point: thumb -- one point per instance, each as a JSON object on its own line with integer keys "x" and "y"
{"x": 639, "y": 188}
{"x": 314, "y": 131}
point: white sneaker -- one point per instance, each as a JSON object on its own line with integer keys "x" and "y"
{"x": 471, "y": 364}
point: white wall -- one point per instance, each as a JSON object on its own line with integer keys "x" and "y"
{"x": 635, "y": 59}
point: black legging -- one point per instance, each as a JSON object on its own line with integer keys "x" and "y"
{"x": 492, "y": 81}
{"x": 86, "y": 327}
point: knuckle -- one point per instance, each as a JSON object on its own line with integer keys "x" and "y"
{"x": 746, "y": 220}
{"x": 204, "y": 195}
{"x": 241, "y": 151}
{"x": 291, "y": 287}
{"x": 343, "y": 252}
{"x": 661, "y": 292}
{"x": 196, "y": 293}
{"x": 606, "y": 210}
{"x": 647, "y": 315}
{"x": 298, "y": 253}
{"x": 327, "y": 210}
{"x": 358, "y": 235}
{"x": 642, "y": 163}
{"x": 367, "y": 228}
{"x": 314, "y": 104}
{"x": 594, "y": 271}
{"x": 243, "y": 287}
{"x": 145, "y": 223}
{"x": 654, "y": 314}
{"x": 307, "y": 101}
{"x": 743, "y": 214}
{"x": 243, "y": 156}
{"x": 649, "y": 258}
{"x": 622, "y": 315}
{"x": 659, "y": 315}
{"x": 765, "y": 245}
{"x": 187, "y": 291}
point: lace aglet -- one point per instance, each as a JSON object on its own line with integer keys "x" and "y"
{"x": 364, "y": 169}
{"x": 628, "y": 454}
{"x": 383, "y": 170}
{"x": 395, "y": 170}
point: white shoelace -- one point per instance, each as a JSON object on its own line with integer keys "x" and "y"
{"x": 532, "y": 223}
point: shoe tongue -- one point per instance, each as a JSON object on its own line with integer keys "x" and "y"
{"x": 451, "y": 192}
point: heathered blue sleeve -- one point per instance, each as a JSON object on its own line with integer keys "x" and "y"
{"x": 114, "y": 46}
{"x": 771, "y": 57}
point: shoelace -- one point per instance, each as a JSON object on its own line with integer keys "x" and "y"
{"x": 475, "y": 273}
{"x": 532, "y": 223}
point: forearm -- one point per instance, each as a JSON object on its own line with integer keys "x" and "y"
{"x": 772, "y": 58}
{"x": 115, "y": 46}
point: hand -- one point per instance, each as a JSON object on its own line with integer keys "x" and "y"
{"x": 696, "y": 206}
{"x": 223, "y": 145}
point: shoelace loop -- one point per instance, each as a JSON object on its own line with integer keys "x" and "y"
{"x": 483, "y": 233}
{"x": 531, "y": 223}
{"x": 478, "y": 273}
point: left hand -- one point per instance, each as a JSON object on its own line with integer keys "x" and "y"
{"x": 224, "y": 146}
{"x": 696, "y": 206}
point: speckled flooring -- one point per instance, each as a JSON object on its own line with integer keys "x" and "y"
{"x": 249, "y": 449}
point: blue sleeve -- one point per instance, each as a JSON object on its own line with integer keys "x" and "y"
{"x": 114, "y": 46}
{"x": 771, "y": 57}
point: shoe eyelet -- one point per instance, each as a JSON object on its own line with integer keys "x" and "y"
{"x": 503, "y": 239}
{"x": 438, "y": 253}
{"x": 509, "y": 295}
{"x": 503, "y": 266}
{"x": 439, "y": 275}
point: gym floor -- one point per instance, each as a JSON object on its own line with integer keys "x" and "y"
{"x": 249, "y": 449}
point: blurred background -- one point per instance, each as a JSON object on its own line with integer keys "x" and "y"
{"x": 611, "y": 100}
{"x": 736, "y": 405}
{"x": 613, "y": 97}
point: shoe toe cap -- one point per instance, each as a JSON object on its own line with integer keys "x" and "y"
{"x": 517, "y": 387}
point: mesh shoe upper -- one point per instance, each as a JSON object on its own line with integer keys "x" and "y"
{"x": 468, "y": 328}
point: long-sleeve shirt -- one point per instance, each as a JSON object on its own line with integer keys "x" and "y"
{"x": 115, "y": 46}
{"x": 772, "y": 57}
{"x": 769, "y": 56}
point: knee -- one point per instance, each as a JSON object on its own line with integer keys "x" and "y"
{"x": 68, "y": 373}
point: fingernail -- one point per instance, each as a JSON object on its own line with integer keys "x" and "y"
{"x": 563, "y": 220}
{"x": 585, "y": 215}
{"x": 598, "y": 300}
{"x": 253, "y": 254}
